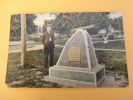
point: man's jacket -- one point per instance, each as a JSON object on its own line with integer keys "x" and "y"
{"x": 45, "y": 39}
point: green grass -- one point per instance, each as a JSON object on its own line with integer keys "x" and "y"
{"x": 35, "y": 83}
{"x": 61, "y": 41}
{"x": 96, "y": 39}
{"x": 35, "y": 34}
{"x": 120, "y": 45}
{"x": 115, "y": 62}
{"x": 38, "y": 40}
{"x": 15, "y": 39}
{"x": 35, "y": 60}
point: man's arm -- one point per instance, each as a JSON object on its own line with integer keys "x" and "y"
{"x": 43, "y": 38}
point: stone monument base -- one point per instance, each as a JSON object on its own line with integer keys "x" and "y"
{"x": 77, "y": 77}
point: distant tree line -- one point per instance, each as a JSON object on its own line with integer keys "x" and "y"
{"x": 65, "y": 22}
{"x": 15, "y": 25}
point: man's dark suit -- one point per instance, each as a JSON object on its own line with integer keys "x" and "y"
{"x": 48, "y": 47}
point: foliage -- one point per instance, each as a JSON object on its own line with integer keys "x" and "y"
{"x": 92, "y": 31}
{"x": 45, "y": 23}
{"x": 117, "y": 23}
{"x": 65, "y": 22}
{"x": 68, "y": 21}
{"x": 31, "y": 27}
{"x": 100, "y": 36}
{"x": 34, "y": 38}
{"x": 61, "y": 41}
{"x": 111, "y": 36}
{"x": 15, "y": 26}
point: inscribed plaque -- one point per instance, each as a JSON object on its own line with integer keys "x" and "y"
{"x": 74, "y": 54}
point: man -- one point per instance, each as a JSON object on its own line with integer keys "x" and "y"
{"x": 49, "y": 45}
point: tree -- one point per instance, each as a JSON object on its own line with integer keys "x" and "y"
{"x": 117, "y": 23}
{"x": 99, "y": 19}
{"x": 15, "y": 26}
{"x": 45, "y": 23}
{"x": 31, "y": 27}
{"x": 64, "y": 22}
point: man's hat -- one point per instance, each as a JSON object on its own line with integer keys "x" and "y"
{"x": 49, "y": 25}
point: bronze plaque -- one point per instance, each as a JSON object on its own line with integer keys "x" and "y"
{"x": 74, "y": 54}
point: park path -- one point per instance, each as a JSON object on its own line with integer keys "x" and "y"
{"x": 108, "y": 40}
{"x": 110, "y": 49}
{"x": 37, "y": 47}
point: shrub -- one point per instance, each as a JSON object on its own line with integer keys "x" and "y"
{"x": 111, "y": 36}
{"x": 100, "y": 36}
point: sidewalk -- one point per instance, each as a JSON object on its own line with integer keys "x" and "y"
{"x": 110, "y": 49}
{"x": 37, "y": 47}
{"x": 108, "y": 40}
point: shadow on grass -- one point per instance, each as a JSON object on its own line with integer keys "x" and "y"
{"x": 34, "y": 64}
{"x": 115, "y": 63}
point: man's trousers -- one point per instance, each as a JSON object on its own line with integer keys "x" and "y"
{"x": 49, "y": 51}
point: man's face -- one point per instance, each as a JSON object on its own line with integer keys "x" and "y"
{"x": 49, "y": 28}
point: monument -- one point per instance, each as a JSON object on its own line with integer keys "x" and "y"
{"x": 77, "y": 65}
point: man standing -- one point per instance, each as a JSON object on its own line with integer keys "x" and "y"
{"x": 49, "y": 45}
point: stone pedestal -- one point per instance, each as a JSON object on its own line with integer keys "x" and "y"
{"x": 77, "y": 77}
{"x": 77, "y": 65}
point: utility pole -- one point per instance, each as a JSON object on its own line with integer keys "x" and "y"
{"x": 23, "y": 39}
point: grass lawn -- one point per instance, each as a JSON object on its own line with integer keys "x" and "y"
{"x": 61, "y": 41}
{"x": 115, "y": 63}
{"x": 35, "y": 34}
{"x": 120, "y": 45}
{"x": 96, "y": 39}
{"x": 35, "y": 61}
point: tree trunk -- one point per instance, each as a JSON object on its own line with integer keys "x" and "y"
{"x": 23, "y": 39}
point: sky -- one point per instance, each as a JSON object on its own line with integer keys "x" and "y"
{"x": 47, "y": 16}
{"x": 115, "y": 15}
{"x": 41, "y": 17}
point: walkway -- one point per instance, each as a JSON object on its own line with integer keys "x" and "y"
{"x": 110, "y": 49}
{"x": 37, "y": 47}
{"x": 108, "y": 40}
